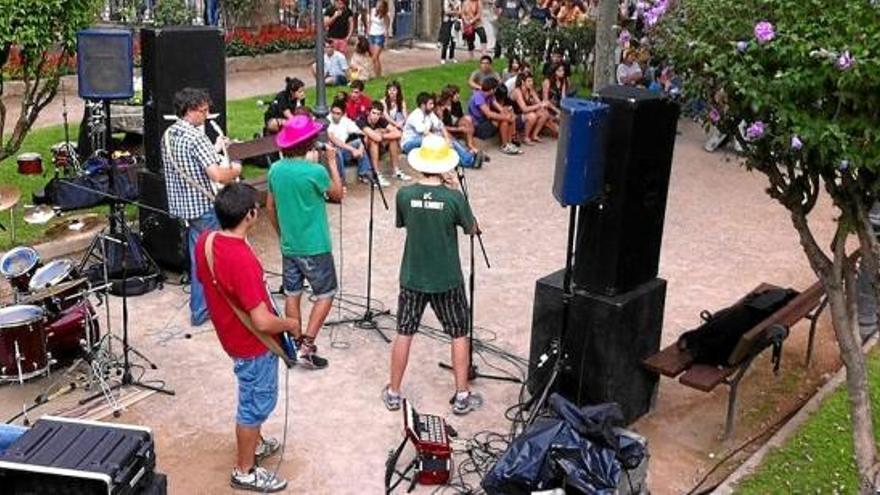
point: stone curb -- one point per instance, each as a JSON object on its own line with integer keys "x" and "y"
{"x": 727, "y": 487}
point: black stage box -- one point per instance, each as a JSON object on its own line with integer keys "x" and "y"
{"x": 78, "y": 457}
{"x": 619, "y": 237}
{"x": 607, "y": 339}
{"x": 163, "y": 237}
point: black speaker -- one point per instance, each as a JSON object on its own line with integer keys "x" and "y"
{"x": 607, "y": 339}
{"x": 580, "y": 159}
{"x": 104, "y": 64}
{"x": 164, "y": 237}
{"x": 174, "y": 58}
{"x": 619, "y": 237}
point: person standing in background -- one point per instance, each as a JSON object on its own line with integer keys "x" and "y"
{"x": 451, "y": 22}
{"x": 339, "y": 23}
{"x": 377, "y": 32}
{"x": 472, "y": 26}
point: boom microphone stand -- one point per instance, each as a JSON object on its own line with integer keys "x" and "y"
{"x": 367, "y": 321}
{"x": 473, "y": 371}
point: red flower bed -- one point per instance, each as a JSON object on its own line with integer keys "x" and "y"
{"x": 267, "y": 39}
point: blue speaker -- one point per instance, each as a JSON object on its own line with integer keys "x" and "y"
{"x": 580, "y": 160}
{"x": 104, "y": 64}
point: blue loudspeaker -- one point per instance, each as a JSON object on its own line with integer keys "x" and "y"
{"x": 580, "y": 160}
{"x": 104, "y": 64}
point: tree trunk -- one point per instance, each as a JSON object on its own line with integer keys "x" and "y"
{"x": 838, "y": 280}
{"x": 603, "y": 72}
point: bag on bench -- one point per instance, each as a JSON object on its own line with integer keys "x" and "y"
{"x": 714, "y": 340}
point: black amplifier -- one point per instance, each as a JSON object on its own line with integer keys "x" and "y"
{"x": 79, "y": 457}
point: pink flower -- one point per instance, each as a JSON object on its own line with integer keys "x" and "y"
{"x": 764, "y": 32}
{"x": 714, "y": 115}
{"x": 624, "y": 38}
{"x": 796, "y": 143}
{"x": 755, "y": 131}
{"x": 845, "y": 61}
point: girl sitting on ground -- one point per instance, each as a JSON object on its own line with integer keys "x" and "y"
{"x": 534, "y": 110}
{"x": 452, "y": 115}
{"x": 360, "y": 67}
{"x": 395, "y": 104}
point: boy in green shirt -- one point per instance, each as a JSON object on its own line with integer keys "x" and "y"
{"x": 298, "y": 188}
{"x": 430, "y": 271}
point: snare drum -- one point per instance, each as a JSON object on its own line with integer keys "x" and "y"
{"x": 18, "y": 265}
{"x": 54, "y": 273}
{"x": 65, "y": 332}
{"x": 30, "y": 164}
{"x": 22, "y": 343}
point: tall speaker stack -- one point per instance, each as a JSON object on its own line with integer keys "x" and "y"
{"x": 615, "y": 301}
{"x": 174, "y": 58}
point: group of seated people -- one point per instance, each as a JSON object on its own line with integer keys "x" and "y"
{"x": 364, "y": 131}
{"x": 339, "y": 71}
{"x": 563, "y": 12}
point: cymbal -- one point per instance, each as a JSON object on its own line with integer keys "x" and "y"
{"x": 73, "y": 224}
{"x": 9, "y": 196}
{"x": 38, "y": 214}
{"x": 35, "y": 297}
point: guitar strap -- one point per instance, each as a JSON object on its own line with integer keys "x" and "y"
{"x": 266, "y": 339}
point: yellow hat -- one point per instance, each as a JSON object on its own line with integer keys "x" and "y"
{"x": 434, "y": 156}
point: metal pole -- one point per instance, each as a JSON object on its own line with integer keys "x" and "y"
{"x": 320, "y": 109}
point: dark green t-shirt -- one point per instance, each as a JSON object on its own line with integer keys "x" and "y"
{"x": 298, "y": 187}
{"x": 430, "y": 215}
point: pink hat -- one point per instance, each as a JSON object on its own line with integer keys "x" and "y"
{"x": 297, "y": 129}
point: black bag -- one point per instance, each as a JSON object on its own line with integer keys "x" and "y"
{"x": 76, "y": 192}
{"x": 714, "y": 340}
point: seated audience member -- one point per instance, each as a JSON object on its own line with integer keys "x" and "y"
{"x": 475, "y": 81}
{"x": 345, "y": 136}
{"x": 629, "y": 72}
{"x": 514, "y": 67}
{"x": 554, "y": 88}
{"x": 555, "y": 59}
{"x": 532, "y": 109}
{"x": 395, "y": 104}
{"x": 284, "y": 105}
{"x": 358, "y": 103}
{"x": 361, "y": 67}
{"x": 335, "y": 66}
{"x": 382, "y": 135}
{"x": 454, "y": 119}
{"x": 490, "y": 118}
{"x": 423, "y": 122}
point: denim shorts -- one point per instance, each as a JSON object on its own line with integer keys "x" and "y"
{"x": 319, "y": 270}
{"x": 377, "y": 40}
{"x": 257, "y": 388}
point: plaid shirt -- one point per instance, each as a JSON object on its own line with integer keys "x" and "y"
{"x": 191, "y": 152}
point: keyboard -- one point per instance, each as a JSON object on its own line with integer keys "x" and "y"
{"x": 428, "y": 434}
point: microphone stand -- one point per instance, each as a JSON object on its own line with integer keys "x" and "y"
{"x": 367, "y": 321}
{"x": 473, "y": 371}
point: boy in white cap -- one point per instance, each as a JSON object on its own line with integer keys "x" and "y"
{"x": 430, "y": 272}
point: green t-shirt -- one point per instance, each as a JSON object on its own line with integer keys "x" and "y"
{"x": 298, "y": 187}
{"x": 430, "y": 215}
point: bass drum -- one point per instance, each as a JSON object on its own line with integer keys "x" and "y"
{"x": 67, "y": 333}
{"x": 22, "y": 343}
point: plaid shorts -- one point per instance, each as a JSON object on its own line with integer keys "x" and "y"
{"x": 451, "y": 308}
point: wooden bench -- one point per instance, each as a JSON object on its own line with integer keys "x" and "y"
{"x": 673, "y": 361}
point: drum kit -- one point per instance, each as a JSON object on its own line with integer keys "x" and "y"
{"x": 51, "y": 320}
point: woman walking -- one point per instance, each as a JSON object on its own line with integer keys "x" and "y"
{"x": 380, "y": 25}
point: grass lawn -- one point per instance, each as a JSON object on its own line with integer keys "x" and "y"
{"x": 819, "y": 458}
{"x": 244, "y": 117}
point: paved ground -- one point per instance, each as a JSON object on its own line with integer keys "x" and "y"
{"x": 723, "y": 236}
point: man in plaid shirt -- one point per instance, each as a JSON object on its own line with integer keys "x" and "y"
{"x": 190, "y": 162}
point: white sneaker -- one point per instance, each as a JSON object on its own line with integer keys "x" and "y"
{"x": 258, "y": 479}
{"x": 401, "y": 175}
{"x": 442, "y": 61}
{"x": 453, "y": 60}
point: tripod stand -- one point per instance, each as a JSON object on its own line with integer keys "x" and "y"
{"x": 558, "y": 346}
{"x": 367, "y": 320}
{"x": 473, "y": 371}
{"x": 122, "y": 235}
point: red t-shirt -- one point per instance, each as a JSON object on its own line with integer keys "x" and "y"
{"x": 240, "y": 274}
{"x": 354, "y": 108}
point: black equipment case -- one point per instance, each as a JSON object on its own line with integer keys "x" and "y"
{"x": 72, "y": 456}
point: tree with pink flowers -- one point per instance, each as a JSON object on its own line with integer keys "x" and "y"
{"x": 797, "y": 84}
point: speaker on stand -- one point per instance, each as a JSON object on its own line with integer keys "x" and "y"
{"x": 603, "y": 322}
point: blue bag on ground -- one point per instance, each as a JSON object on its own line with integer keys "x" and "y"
{"x": 577, "y": 447}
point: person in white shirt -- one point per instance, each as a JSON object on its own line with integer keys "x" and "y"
{"x": 629, "y": 73}
{"x": 423, "y": 122}
{"x": 377, "y": 31}
{"x": 345, "y": 135}
{"x": 335, "y": 66}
